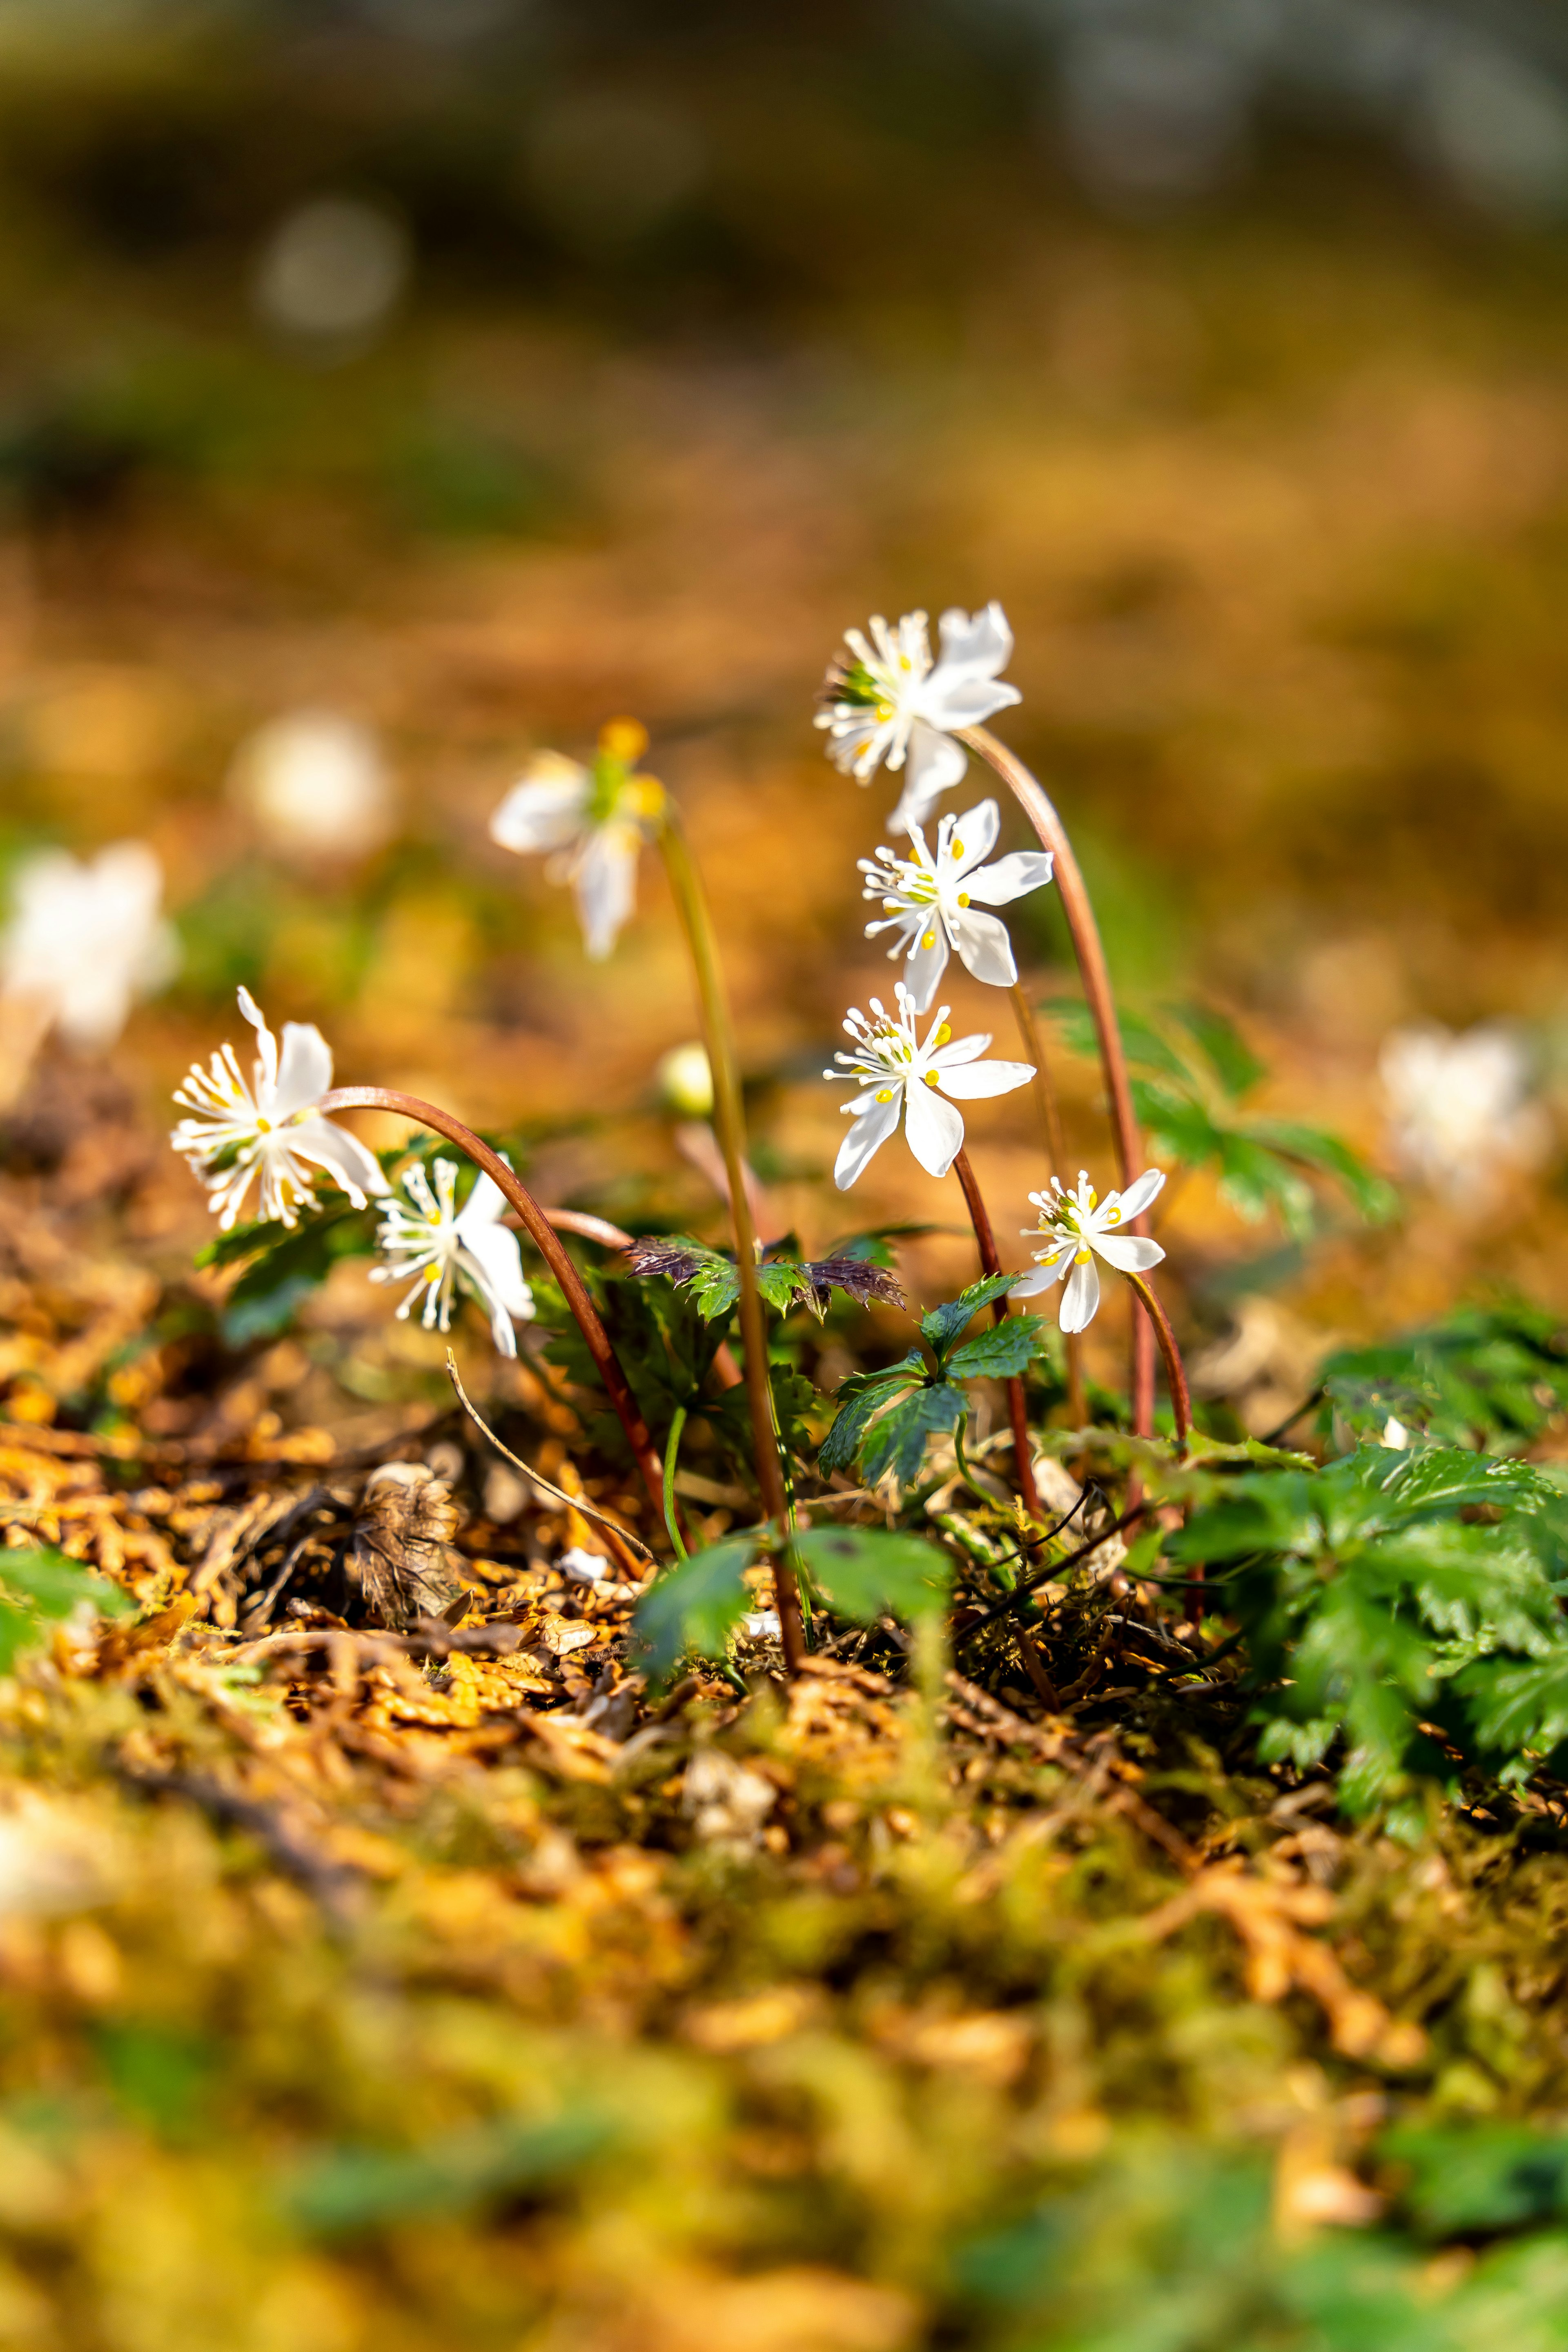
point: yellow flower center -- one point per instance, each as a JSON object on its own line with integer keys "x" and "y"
{"x": 1082, "y": 1257}
{"x": 884, "y": 712}
{"x": 623, "y": 739}
{"x": 964, "y": 897}
{"x": 1113, "y": 1216}
{"x": 264, "y": 1127}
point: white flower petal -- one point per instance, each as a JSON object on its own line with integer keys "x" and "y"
{"x": 1138, "y": 1195}
{"x": 963, "y": 1049}
{"x": 606, "y": 882}
{"x": 1081, "y": 1300}
{"x": 545, "y": 809}
{"x": 981, "y": 941}
{"x": 983, "y": 1079}
{"x": 923, "y": 971}
{"x": 981, "y": 641}
{"x": 933, "y": 1128}
{"x": 868, "y": 1130}
{"x": 485, "y": 1205}
{"x": 1011, "y": 877}
{"x": 968, "y": 840}
{"x": 341, "y": 1154}
{"x": 304, "y": 1069}
{"x": 1038, "y": 1279}
{"x": 934, "y": 764}
{"x": 1129, "y": 1252}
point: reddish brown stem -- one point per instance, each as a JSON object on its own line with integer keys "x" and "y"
{"x": 1022, "y": 1451}
{"x": 1175, "y": 1371}
{"x": 1078, "y": 911}
{"x": 546, "y": 1242}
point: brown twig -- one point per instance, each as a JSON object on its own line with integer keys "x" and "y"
{"x": 623, "y": 1537}
{"x": 1078, "y": 910}
{"x": 546, "y": 1242}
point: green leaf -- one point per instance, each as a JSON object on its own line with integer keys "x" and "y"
{"x": 38, "y": 1584}
{"x": 1488, "y": 1377}
{"x": 350, "y": 2189}
{"x": 285, "y": 1270}
{"x": 945, "y": 1323}
{"x": 1480, "y": 2177}
{"x": 861, "y": 1396}
{"x": 1234, "y": 1063}
{"x": 999, "y": 1352}
{"x": 898, "y": 1442}
{"x": 865, "y": 1572}
{"x": 696, "y": 1605}
{"x": 1314, "y": 1147}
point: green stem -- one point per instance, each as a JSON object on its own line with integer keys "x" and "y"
{"x": 729, "y": 1125}
{"x": 671, "y": 1454}
{"x": 964, "y": 1471}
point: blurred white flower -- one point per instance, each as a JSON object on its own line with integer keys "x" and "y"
{"x": 929, "y": 900}
{"x": 333, "y": 271}
{"x": 593, "y": 821}
{"x": 899, "y": 1077}
{"x": 84, "y": 939}
{"x": 436, "y": 1246}
{"x": 270, "y": 1127}
{"x": 888, "y": 702}
{"x": 316, "y": 785}
{"x": 1459, "y": 1112}
{"x": 1081, "y": 1226}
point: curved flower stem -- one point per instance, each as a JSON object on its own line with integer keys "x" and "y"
{"x": 1175, "y": 1372}
{"x": 546, "y": 1242}
{"x": 672, "y": 1456}
{"x": 1051, "y": 1136}
{"x": 1023, "y": 1453}
{"x": 1080, "y": 913}
{"x": 729, "y": 1124}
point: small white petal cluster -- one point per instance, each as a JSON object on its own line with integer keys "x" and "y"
{"x": 1459, "y": 1112}
{"x": 891, "y": 704}
{"x": 266, "y": 1130}
{"x": 316, "y": 785}
{"x": 85, "y": 940}
{"x": 435, "y": 1246}
{"x": 1082, "y": 1227}
{"x": 898, "y": 1077}
{"x": 933, "y": 904}
{"x": 591, "y": 823}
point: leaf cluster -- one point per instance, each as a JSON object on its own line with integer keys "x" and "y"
{"x": 885, "y": 1416}
{"x": 1405, "y": 1601}
{"x": 1191, "y": 1072}
{"x": 1489, "y": 1377}
{"x": 284, "y": 1264}
{"x": 861, "y": 1573}
{"x": 784, "y": 1282}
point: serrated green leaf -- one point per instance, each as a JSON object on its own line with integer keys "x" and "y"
{"x": 945, "y": 1323}
{"x": 863, "y": 1573}
{"x": 696, "y": 1605}
{"x": 898, "y": 1441}
{"x": 1234, "y": 1063}
{"x": 284, "y": 1271}
{"x": 999, "y": 1352}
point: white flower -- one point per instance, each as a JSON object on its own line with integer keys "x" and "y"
{"x": 1460, "y": 1113}
{"x": 436, "y": 1246}
{"x": 84, "y": 939}
{"x": 899, "y": 1077}
{"x": 592, "y": 820}
{"x": 929, "y": 900}
{"x": 316, "y": 784}
{"x": 891, "y": 703}
{"x": 270, "y": 1127}
{"x": 1080, "y": 1227}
